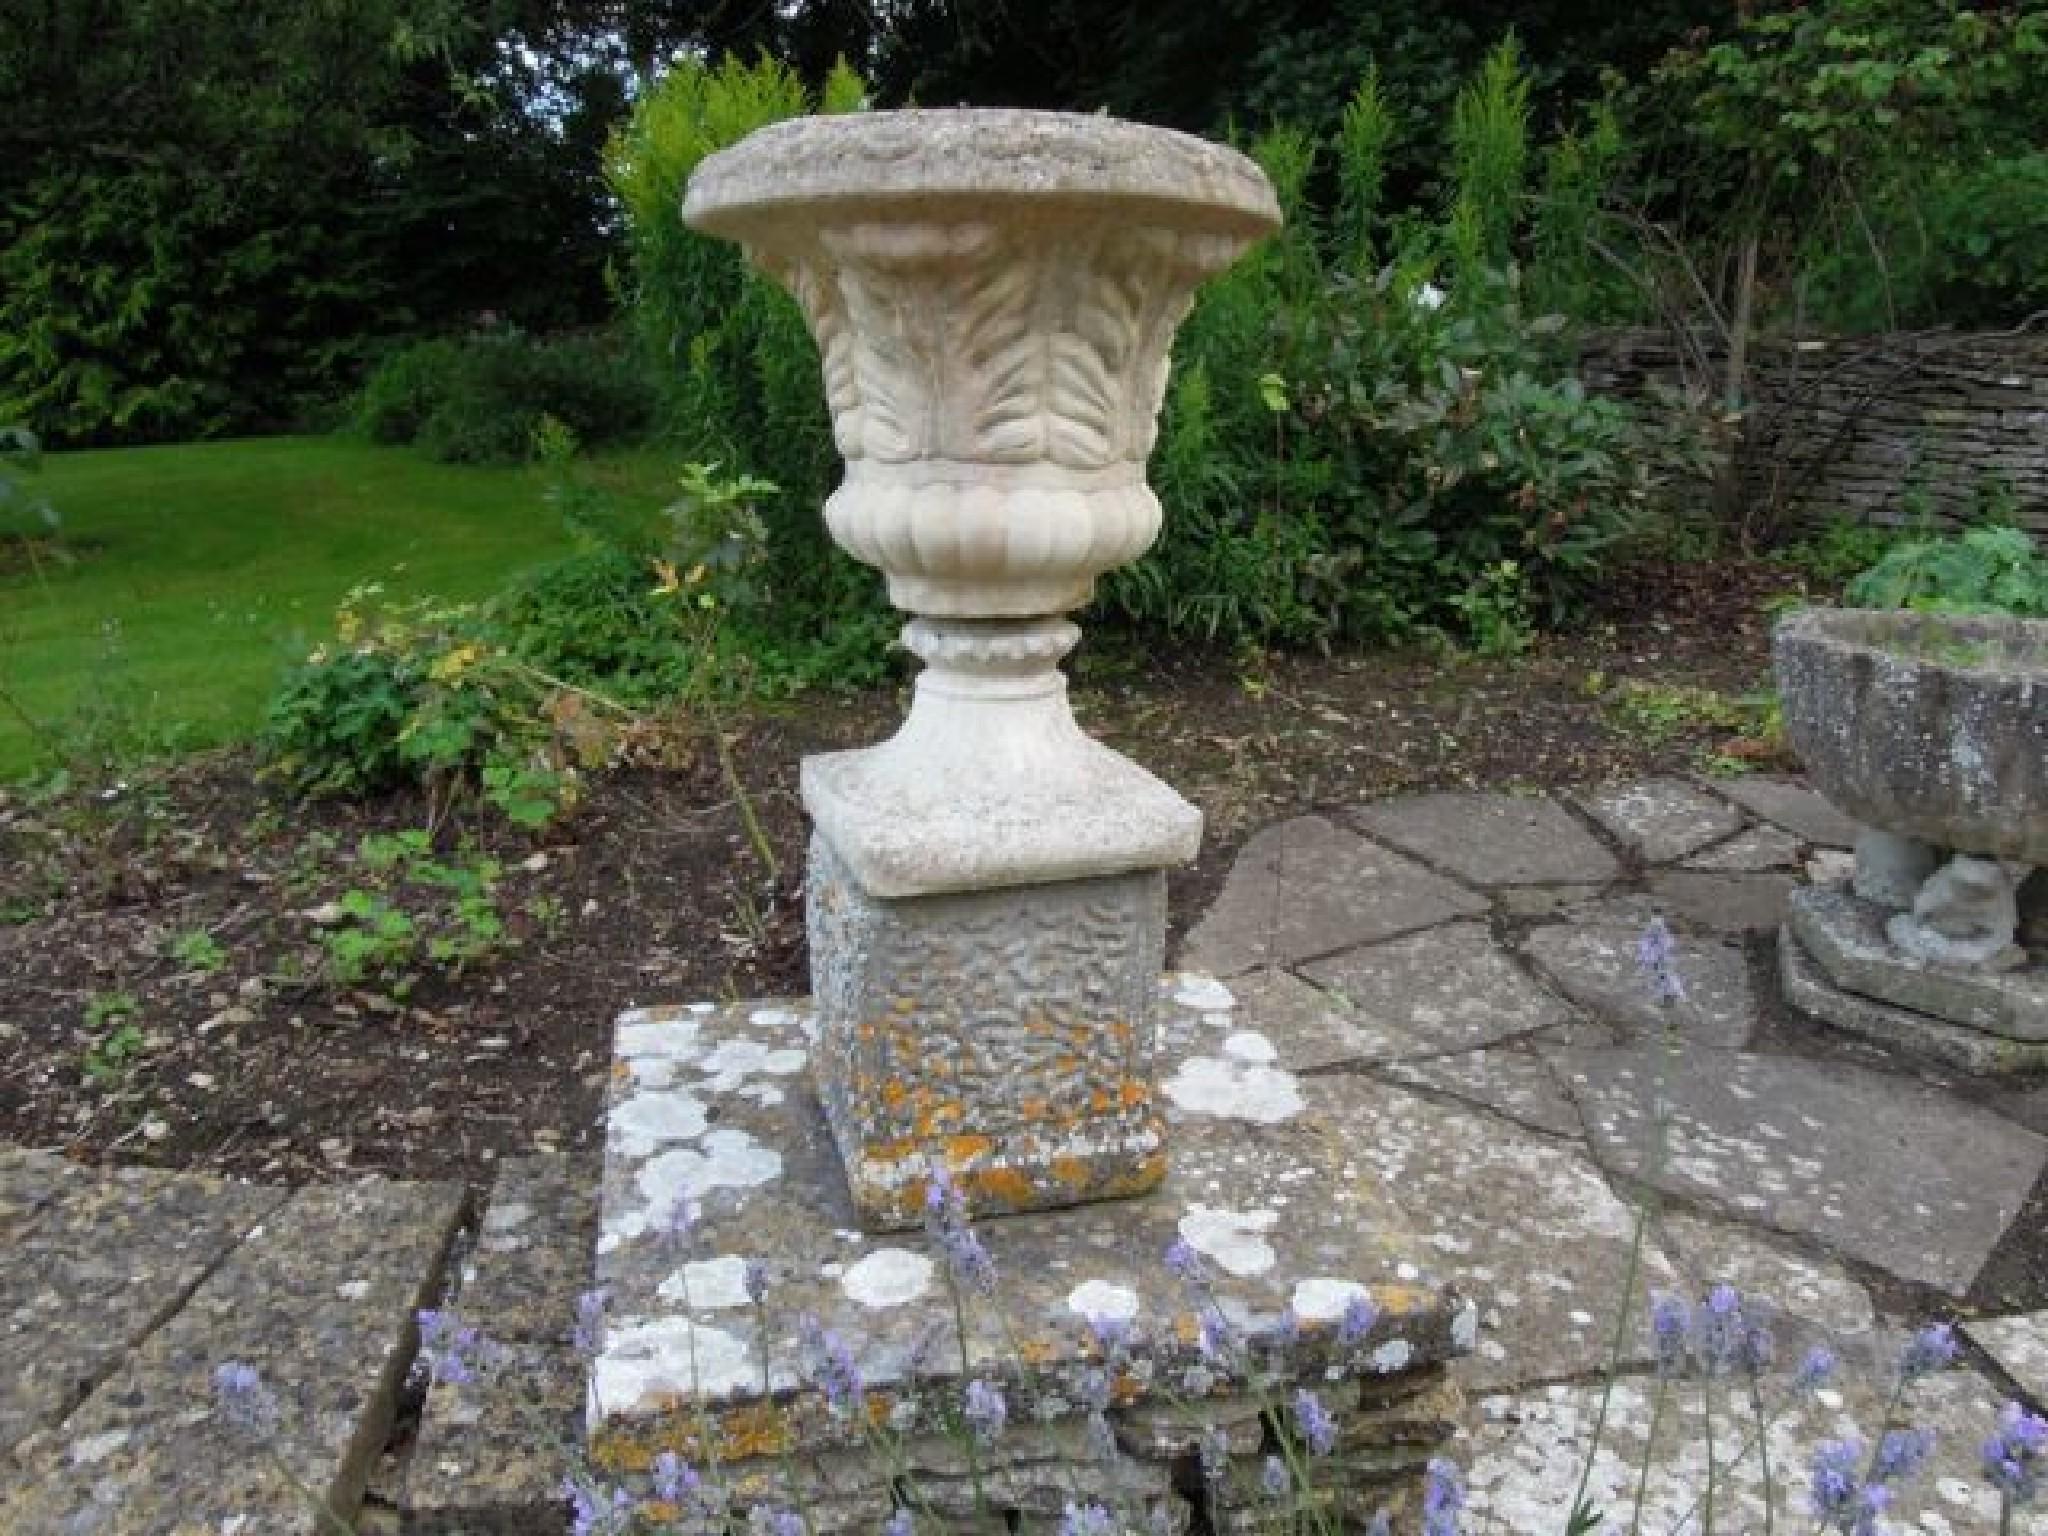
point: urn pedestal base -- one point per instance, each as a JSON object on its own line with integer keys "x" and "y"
{"x": 1006, "y": 1035}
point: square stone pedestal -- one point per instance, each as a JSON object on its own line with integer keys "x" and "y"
{"x": 715, "y": 1106}
{"x": 1006, "y": 1035}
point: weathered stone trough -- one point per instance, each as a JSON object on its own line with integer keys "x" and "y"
{"x": 1932, "y": 731}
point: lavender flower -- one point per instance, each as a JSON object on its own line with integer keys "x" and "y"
{"x": 1837, "y": 1485}
{"x": 1086, "y": 1520}
{"x": 1443, "y": 1497}
{"x": 678, "y": 1226}
{"x": 1359, "y": 1316}
{"x": 1670, "y": 1334}
{"x": 1093, "y": 1389}
{"x": 453, "y": 1352}
{"x": 946, "y": 1221}
{"x": 831, "y": 1367}
{"x": 1217, "y": 1338}
{"x": 1868, "y": 1518}
{"x": 1815, "y": 1370}
{"x": 985, "y": 1411}
{"x": 1718, "y": 1329}
{"x": 1185, "y": 1263}
{"x": 899, "y": 1524}
{"x": 774, "y": 1520}
{"x": 244, "y": 1400}
{"x": 1112, "y": 1335}
{"x": 595, "y": 1511}
{"x": 1901, "y": 1453}
{"x": 675, "y": 1480}
{"x": 1932, "y": 1349}
{"x": 755, "y": 1279}
{"x": 1313, "y": 1420}
{"x": 2013, "y": 1456}
{"x": 1657, "y": 962}
{"x": 1274, "y": 1479}
{"x": 589, "y": 1332}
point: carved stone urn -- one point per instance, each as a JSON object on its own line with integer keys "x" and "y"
{"x": 993, "y": 294}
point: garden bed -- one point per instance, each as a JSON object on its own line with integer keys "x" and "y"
{"x": 170, "y": 941}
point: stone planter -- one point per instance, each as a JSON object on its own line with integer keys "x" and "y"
{"x": 993, "y": 295}
{"x": 1932, "y": 730}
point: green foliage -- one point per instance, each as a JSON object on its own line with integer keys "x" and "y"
{"x": 417, "y": 912}
{"x": 484, "y": 398}
{"x": 1986, "y": 570}
{"x": 118, "y": 1039}
{"x": 1351, "y": 451}
{"x": 197, "y": 950}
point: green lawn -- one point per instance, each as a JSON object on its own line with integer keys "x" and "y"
{"x": 205, "y": 568}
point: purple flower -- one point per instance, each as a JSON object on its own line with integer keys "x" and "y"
{"x": 946, "y": 1221}
{"x": 1274, "y": 1479}
{"x": 831, "y": 1367}
{"x": 680, "y": 1222}
{"x": 1443, "y": 1497}
{"x": 1868, "y": 1517}
{"x": 984, "y": 1410}
{"x": 1932, "y": 1349}
{"x": 1092, "y": 1387}
{"x": 589, "y": 1333}
{"x": 1112, "y": 1334}
{"x": 1815, "y": 1370}
{"x": 1217, "y": 1338}
{"x": 755, "y": 1278}
{"x": 675, "y": 1480}
{"x": 453, "y": 1352}
{"x": 1313, "y": 1420}
{"x": 899, "y": 1524}
{"x": 774, "y": 1520}
{"x": 1359, "y": 1316}
{"x": 1837, "y": 1482}
{"x": 1184, "y": 1263}
{"x": 1670, "y": 1333}
{"x": 243, "y": 1398}
{"x": 1657, "y": 962}
{"x": 1900, "y": 1454}
{"x": 2013, "y": 1455}
{"x": 1718, "y": 1328}
{"x": 595, "y": 1511}
{"x": 1086, "y": 1520}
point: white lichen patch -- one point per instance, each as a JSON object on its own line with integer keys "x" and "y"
{"x": 1392, "y": 1356}
{"x": 731, "y": 1062}
{"x": 96, "y": 1448}
{"x": 646, "y": 1360}
{"x": 727, "y": 1159}
{"x": 1324, "y": 1298}
{"x": 1204, "y": 994}
{"x": 669, "y": 1039}
{"x": 1248, "y": 1045}
{"x": 888, "y": 1277}
{"x": 646, "y": 1120}
{"x": 1234, "y": 1090}
{"x": 1099, "y": 1298}
{"x": 708, "y": 1284}
{"x": 1465, "y": 1328}
{"x": 1230, "y": 1238}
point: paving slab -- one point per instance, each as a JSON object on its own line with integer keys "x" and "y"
{"x": 1310, "y": 1029}
{"x": 1812, "y": 991}
{"x": 1883, "y": 1168}
{"x": 1760, "y": 848}
{"x": 1594, "y": 965}
{"x": 1792, "y": 805}
{"x": 1811, "y": 1300}
{"x": 489, "y": 1457}
{"x": 319, "y": 1299}
{"x": 1445, "y": 989}
{"x": 1307, "y": 887}
{"x": 1524, "y": 1455}
{"x": 1522, "y": 1223}
{"x": 2020, "y": 1346}
{"x": 1661, "y": 820}
{"x": 1723, "y": 901}
{"x": 1511, "y": 1081}
{"x": 96, "y": 1259}
{"x": 1490, "y": 839}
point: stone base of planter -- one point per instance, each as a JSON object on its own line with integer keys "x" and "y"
{"x": 1846, "y": 936}
{"x": 1006, "y": 1035}
{"x": 715, "y": 1105}
{"x": 1810, "y": 989}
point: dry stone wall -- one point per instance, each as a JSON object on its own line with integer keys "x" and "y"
{"x": 1884, "y": 429}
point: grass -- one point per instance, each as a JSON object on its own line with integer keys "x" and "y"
{"x": 203, "y": 569}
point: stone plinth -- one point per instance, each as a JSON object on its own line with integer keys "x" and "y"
{"x": 1006, "y": 1033}
{"x": 714, "y": 1105}
{"x": 993, "y": 294}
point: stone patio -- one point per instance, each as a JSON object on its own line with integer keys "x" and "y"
{"x": 1448, "y": 977}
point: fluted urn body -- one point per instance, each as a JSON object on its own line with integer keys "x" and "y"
{"x": 993, "y": 294}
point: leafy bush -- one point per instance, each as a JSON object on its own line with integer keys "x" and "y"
{"x": 1986, "y": 570}
{"x": 481, "y": 399}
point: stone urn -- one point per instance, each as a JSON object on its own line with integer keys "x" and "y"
{"x": 993, "y": 295}
{"x": 1932, "y": 731}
